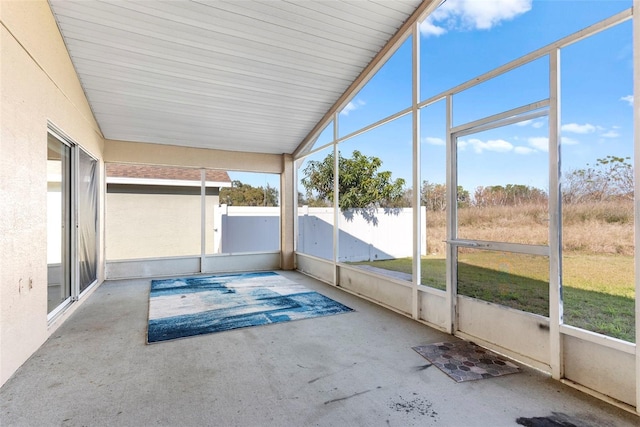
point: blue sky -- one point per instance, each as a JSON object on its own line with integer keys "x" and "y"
{"x": 465, "y": 38}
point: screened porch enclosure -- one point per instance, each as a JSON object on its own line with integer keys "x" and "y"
{"x": 495, "y": 264}
{"x": 479, "y": 181}
{"x": 495, "y": 192}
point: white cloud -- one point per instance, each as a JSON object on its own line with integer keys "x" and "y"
{"x": 427, "y": 28}
{"x": 536, "y": 124}
{"x": 629, "y": 99}
{"x": 523, "y": 150}
{"x": 577, "y": 128}
{"x": 472, "y": 15}
{"x": 539, "y": 143}
{"x": 348, "y": 108}
{"x": 496, "y": 145}
{"x": 352, "y": 105}
{"x": 610, "y": 134}
{"x": 433, "y": 140}
{"x": 569, "y": 141}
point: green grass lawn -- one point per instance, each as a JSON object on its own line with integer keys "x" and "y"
{"x": 599, "y": 291}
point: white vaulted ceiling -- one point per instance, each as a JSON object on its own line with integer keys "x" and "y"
{"x": 252, "y": 76}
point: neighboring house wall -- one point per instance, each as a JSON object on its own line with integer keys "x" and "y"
{"x": 39, "y": 84}
{"x": 164, "y": 225}
{"x": 145, "y": 224}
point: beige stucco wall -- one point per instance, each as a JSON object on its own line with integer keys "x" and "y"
{"x": 37, "y": 84}
{"x": 156, "y": 225}
{"x": 171, "y": 155}
{"x": 287, "y": 214}
{"x": 140, "y": 153}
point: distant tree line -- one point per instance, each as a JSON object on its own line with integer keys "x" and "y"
{"x": 362, "y": 185}
{"x": 610, "y": 179}
{"x": 508, "y": 195}
{"x": 434, "y": 196}
{"x": 240, "y": 194}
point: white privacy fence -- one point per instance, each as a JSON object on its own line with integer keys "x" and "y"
{"x": 246, "y": 229}
{"x": 365, "y": 234}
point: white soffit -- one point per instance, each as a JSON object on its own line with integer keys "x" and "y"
{"x": 250, "y": 76}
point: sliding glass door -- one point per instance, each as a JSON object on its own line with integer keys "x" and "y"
{"x": 72, "y": 221}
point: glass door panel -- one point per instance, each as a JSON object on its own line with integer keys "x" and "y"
{"x": 87, "y": 219}
{"x": 58, "y": 223}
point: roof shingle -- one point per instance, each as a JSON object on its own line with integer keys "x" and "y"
{"x": 122, "y": 170}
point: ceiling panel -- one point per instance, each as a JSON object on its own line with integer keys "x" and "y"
{"x": 234, "y": 75}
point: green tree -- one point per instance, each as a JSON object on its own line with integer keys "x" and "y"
{"x": 360, "y": 183}
{"x": 464, "y": 200}
{"x": 240, "y": 194}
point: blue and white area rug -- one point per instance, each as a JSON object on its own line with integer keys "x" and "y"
{"x": 191, "y": 306}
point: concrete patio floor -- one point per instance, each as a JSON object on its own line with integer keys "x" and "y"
{"x": 354, "y": 369}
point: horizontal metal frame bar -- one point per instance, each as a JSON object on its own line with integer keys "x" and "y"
{"x": 375, "y": 125}
{"x": 540, "y": 250}
{"x": 365, "y": 129}
{"x": 314, "y": 257}
{"x": 390, "y": 279}
{"x": 432, "y": 291}
{"x": 431, "y": 101}
{"x": 505, "y": 122}
{"x": 505, "y": 118}
{"x": 315, "y": 150}
{"x": 596, "y": 338}
{"x": 57, "y": 312}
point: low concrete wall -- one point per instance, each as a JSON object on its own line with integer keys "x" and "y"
{"x": 598, "y": 364}
{"x": 315, "y": 267}
{"x": 517, "y": 332}
{"x": 606, "y": 370}
{"x": 241, "y": 262}
{"x": 433, "y": 309}
{"x": 376, "y": 288}
{"x": 156, "y": 267}
{"x": 130, "y": 269}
